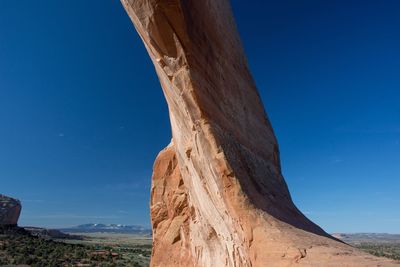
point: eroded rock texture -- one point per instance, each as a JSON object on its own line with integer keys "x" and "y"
{"x": 169, "y": 212}
{"x": 10, "y": 210}
{"x": 218, "y": 197}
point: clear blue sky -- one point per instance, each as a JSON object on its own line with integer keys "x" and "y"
{"x": 83, "y": 117}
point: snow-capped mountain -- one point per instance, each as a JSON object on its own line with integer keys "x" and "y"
{"x": 107, "y": 228}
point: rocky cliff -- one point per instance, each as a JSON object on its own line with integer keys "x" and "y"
{"x": 10, "y": 210}
{"x": 218, "y": 196}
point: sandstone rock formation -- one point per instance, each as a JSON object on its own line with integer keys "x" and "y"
{"x": 218, "y": 196}
{"x": 10, "y": 210}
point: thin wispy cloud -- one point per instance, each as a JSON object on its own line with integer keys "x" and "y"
{"x": 123, "y": 212}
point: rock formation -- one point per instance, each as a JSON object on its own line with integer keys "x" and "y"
{"x": 10, "y": 210}
{"x": 218, "y": 196}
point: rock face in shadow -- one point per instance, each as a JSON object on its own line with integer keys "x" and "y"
{"x": 10, "y": 210}
{"x": 218, "y": 196}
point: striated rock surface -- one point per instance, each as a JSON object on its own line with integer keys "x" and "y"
{"x": 170, "y": 213}
{"x": 10, "y": 210}
{"x": 218, "y": 196}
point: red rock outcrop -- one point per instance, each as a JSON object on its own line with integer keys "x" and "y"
{"x": 170, "y": 212}
{"x": 218, "y": 196}
{"x": 10, "y": 210}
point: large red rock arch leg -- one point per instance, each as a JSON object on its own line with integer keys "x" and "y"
{"x": 218, "y": 196}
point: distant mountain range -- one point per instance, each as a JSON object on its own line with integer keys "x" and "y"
{"x": 355, "y": 238}
{"x": 107, "y": 228}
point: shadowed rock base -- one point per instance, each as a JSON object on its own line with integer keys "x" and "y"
{"x": 218, "y": 196}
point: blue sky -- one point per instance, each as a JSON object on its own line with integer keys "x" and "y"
{"x": 83, "y": 116}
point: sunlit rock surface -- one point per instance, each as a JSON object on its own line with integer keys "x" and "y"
{"x": 10, "y": 210}
{"x": 170, "y": 213}
{"x": 218, "y": 196}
